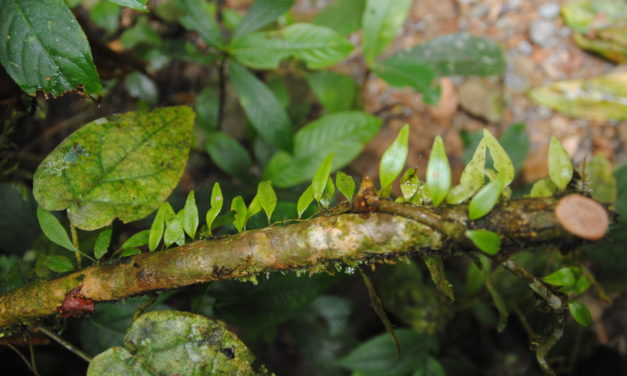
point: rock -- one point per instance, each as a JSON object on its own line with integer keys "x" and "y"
{"x": 524, "y": 47}
{"x": 543, "y": 33}
{"x": 482, "y": 98}
{"x": 549, "y": 10}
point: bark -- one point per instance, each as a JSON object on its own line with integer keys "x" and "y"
{"x": 383, "y": 230}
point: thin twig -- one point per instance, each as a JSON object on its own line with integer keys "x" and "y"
{"x": 19, "y": 353}
{"x": 64, "y": 343}
{"x": 32, "y": 359}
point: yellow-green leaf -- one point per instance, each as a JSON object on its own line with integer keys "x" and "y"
{"x": 217, "y": 201}
{"x": 174, "y": 230}
{"x": 164, "y": 213}
{"x": 328, "y": 194}
{"x": 502, "y": 163}
{"x": 486, "y": 198}
{"x": 472, "y": 177}
{"x": 393, "y": 160}
{"x": 560, "y": 167}
{"x": 267, "y": 198}
{"x": 305, "y": 199}
{"x": 101, "y": 246}
{"x": 438, "y": 172}
{"x": 410, "y": 184}
{"x": 190, "y": 218}
{"x": 487, "y": 241}
{"x": 241, "y": 213}
{"x": 580, "y": 313}
{"x": 543, "y": 188}
{"x": 59, "y": 264}
{"x": 345, "y": 184}
{"x": 321, "y": 177}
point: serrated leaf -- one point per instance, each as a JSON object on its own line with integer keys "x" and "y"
{"x": 305, "y": 199}
{"x": 261, "y": 13}
{"x": 345, "y": 184}
{"x": 342, "y": 133}
{"x": 122, "y": 166}
{"x": 229, "y": 155}
{"x": 377, "y": 356}
{"x": 601, "y": 98}
{"x": 399, "y": 71}
{"x": 217, "y": 201}
{"x": 543, "y": 188}
{"x": 483, "y": 202}
{"x": 438, "y": 172}
{"x": 560, "y": 166}
{"x": 502, "y": 163}
{"x": 515, "y": 141}
{"x": 59, "y": 264}
{"x": 343, "y": 16}
{"x": 42, "y": 47}
{"x": 262, "y": 108}
{"x": 241, "y": 213}
{"x": 487, "y": 241}
{"x": 335, "y": 91}
{"x": 317, "y": 46}
{"x": 321, "y": 177}
{"x": 381, "y": 22}
{"x": 175, "y": 343}
{"x": 101, "y": 246}
{"x": 267, "y": 198}
{"x": 472, "y": 178}
{"x": 459, "y": 54}
{"x": 133, "y": 4}
{"x": 136, "y": 240}
{"x": 328, "y": 194}
{"x": 190, "y": 218}
{"x": 157, "y": 228}
{"x": 53, "y": 229}
{"x": 393, "y": 159}
{"x": 200, "y": 16}
{"x": 580, "y": 313}
{"x": 173, "y": 232}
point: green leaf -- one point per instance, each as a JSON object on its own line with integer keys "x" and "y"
{"x": 430, "y": 367}
{"x": 175, "y": 343}
{"x": 173, "y": 232}
{"x": 19, "y": 226}
{"x": 157, "y": 228}
{"x": 344, "y": 133}
{"x": 106, "y": 15}
{"x": 229, "y": 155}
{"x": 335, "y": 91}
{"x": 190, "y": 218}
{"x": 621, "y": 195}
{"x": 262, "y": 108}
{"x": 137, "y": 240}
{"x": 126, "y": 252}
{"x": 343, "y": 16}
{"x": 140, "y": 34}
{"x": 42, "y": 47}
{"x": 502, "y": 163}
{"x": 345, "y": 184}
{"x": 217, "y": 201}
{"x": 328, "y": 194}
{"x": 515, "y": 141}
{"x": 601, "y": 98}
{"x": 560, "y": 167}
{"x": 200, "y": 17}
{"x": 267, "y": 198}
{"x": 261, "y": 13}
{"x": 101, "y": 247}
{"x": 142, "y": 87}
{"x": 122, "y": 166}
{"x": 487, "y": 241}
{"x": 53, "y": 229}
{"x": 400, "y": 71}
{"x": 543, "y": 188}
{"x": 602, "y": 181}
{"x": 438, "y": 172}
{"x": 317, "y": 46}
{"x": 393, "y": 159}
{"x": 563, "y": 277}
{"x": 59, "y": 264}
{"x": 381, "y": 21}
{"x": 410, "y": 184}
{"x": 241, "y": 213}
{"x": 580, "y": 313}
{"x": 483, "y": 202}
{"x": 321, "y": 177}
{"x": 459, "y": 54}
{"x": 378, "y": 355}
{"x": 207, "y": 105}
{"x": 133, "y": 4}
{"x": 305, "y": 199}
{"x": 472, "y": 178}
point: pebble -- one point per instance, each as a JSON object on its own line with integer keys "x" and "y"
{"x": 542, "y": 32}
{"x": 549, "y": 10}
{"x": 524, "y": 47}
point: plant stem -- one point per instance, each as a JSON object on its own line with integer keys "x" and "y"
{"x": 64, "y": 343}
{"x": 28, "y": 364}
{"x": 74, "y": 233}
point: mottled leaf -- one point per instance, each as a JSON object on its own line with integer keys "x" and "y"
{"x": 502, "y": 163}
{"x": 381, "y": 22}
{"x": 560, "y": 167}
{"x": 472, "y": 178}
{"x": 190, "y": 218}
{"x": 122, "y": 166}
{"x": 487, "y": 241}
{"x": 438, "y": 172}
{"x": 345, "y": 184}
{"x": 261, "y": 13}
{"x": 410, "y": 184}
{"x": 393, "y": 159}
{"x": 42, "y": 47}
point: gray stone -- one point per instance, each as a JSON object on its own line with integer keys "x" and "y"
{"x": 549, "y": 10}
{"x": 524, "y": 47}
{"x": 543, "y": 32}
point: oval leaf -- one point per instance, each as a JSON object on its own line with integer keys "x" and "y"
{"x": 438, "y": 172}
{"x": 228, "y": 155}
{"x": 42, "y": 47}
{"x": 137, "y": 240}
{"x": 563, "y": 277}
{"x": 335, "y": 91}
{"x": 305, "y": 199}
{"x": 190, "y": 218}
{"x": 122, "y": 166}
{"x": 241, "y": 213}
{"x": 381, "y": 21}
{"x": 53, "y": 229}
{"x": 217, "y": 201}
{"x": 487, "y": 241}
{"x": 267, "y": 198}
{"x": 59, "y": 264}
{"x": 345, "y": 184}
{"x": 393, "y": 159}
{"x": 486, "y": 198}
{"x": 321, "y": 177}
{"x": 101, "y": 247}
{"x": 560, "y": 167}
{"x": 174, "y": 230}
{"x": 543, "y": 188}
{"x": 164, "y": 214}
{"x": 502, "y": 163}
{"x": 410, "y": 184}
{"x": 580, "y": 313}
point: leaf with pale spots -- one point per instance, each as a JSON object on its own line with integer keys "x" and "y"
{"x": 123, "y": 166}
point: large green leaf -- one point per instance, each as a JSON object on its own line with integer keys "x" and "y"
{"x": 602, "y": 98}
{"x": 42, "y": 47}
{"x": 400, "y": 71}
{"x": 317, "y": 46}
{"x": 200, "y": 16}
{"x": 262, "y": 108}
{"x": 459, "y": 54}
{"x": 381, "y": 21}
{"x": 122, "y": 166}
{"x": 343, "y": 16}
{"x": 261, "y": 13}
{"x": 175, "y": 343}
{"x": 344, "y": 133}
{"x": 18, "y": 223}
{"x": 228, "y": 154}
{"x": 377, "y": 357}
{"x": 335, "y": 91}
